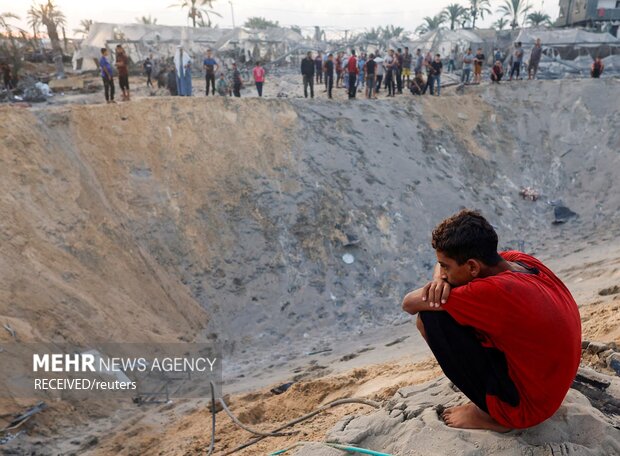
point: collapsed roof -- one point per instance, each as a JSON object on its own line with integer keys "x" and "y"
{"x": 567, "y": 37}
{"x": 140, "y": 40}
{"x": 443, "y": 41}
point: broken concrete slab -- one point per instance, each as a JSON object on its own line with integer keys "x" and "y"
{"x": 62, "y": 85}
{"x": 577, "y": 427}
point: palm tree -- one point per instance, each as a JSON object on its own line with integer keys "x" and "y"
{"x": 500, "y": 23}
{"x": 431, "y": 23}
{"x": 260, "y": 23}
{"x": 84, "y": 27}
{"x": 51, "y": 17}
{"x": 389, "y": 32}
{"x": 197, "y": 9}
{"x": 513, "y": 9}
{"x": 12, "y": 49}
{"x": 453, "y": 13}
{"x": 148, "y": 20}
{"x": 537, "y": 18}
{"x": 4, "y": 24}
{"x": 374, "y": 34}
{"x": 478, "y": 8}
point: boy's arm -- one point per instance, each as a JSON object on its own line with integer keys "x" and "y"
{"x": 429, "y": 297}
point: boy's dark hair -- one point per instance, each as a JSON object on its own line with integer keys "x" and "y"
{"x": 103, "y": 51}
{"x": 467, "y": 235}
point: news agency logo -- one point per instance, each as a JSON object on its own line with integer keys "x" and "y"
{"x": 90, "y": 362}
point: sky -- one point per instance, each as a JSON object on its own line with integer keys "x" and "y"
{"x": 336, "y": 15}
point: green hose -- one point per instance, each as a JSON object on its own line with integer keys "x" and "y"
{"x": 351, "y": 449}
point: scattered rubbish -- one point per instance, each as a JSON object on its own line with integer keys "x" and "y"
{"x": 21, "y": 419}
{"x": 397, "y": 341}
{"x": 10, "y": 330}
{"x": 528, "y": 193}
{"x": 37, "y": 93}
{"x": 609, "y": 291}
{"x": 352, "y": 240}
{"x": 44, "y": 89}
{"x": 282, "y": 388}
{"x": 348, "y": 258}
{"x": 562, "y": 214}
{"x": 8, "y": 437}
{"x": 349, "y": 357}
{"x": 442, "y": 150}
{"x": 613, "y": 362}
{"x": 317, "y": 352}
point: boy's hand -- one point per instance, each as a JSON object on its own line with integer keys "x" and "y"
{"x": 436, "y": 292}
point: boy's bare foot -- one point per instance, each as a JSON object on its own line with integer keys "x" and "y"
{"x": 470, "y": 416}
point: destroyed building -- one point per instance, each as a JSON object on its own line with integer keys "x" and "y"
{"x": 140, "y": 40}
{"x": 603, "y": 14}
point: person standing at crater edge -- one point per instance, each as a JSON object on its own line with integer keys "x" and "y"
{"x": 211, "y": 67}
{"x": 107, "y": 76}
{"x": 259, "y": 78}
{"x": 504, "y": 329}
{"x": 122, "y": 66}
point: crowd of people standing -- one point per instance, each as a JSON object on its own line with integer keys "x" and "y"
{"x": 367, "y": 73}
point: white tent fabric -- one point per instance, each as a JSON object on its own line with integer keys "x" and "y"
{"x": 443, "y": 41}
{"x": 140, "y": 39}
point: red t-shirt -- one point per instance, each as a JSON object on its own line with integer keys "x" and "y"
{"x": 259, "y": 74}
{"x": 352, "y": 65}
{"x": 534, "y": 321}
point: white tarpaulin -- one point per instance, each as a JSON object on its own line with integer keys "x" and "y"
{"x": 443, "y": 41}
{"x": 140, "y": 40}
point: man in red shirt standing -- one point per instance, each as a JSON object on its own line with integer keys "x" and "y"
{"x": 353, "y": 70}
{"x": 259, "y": 78}
{"x": 122, "y": 66}
{"x": 504, "y": 329}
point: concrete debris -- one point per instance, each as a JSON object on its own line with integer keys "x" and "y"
{"x": 562, "y": 214}
{"x": 411, "y": 426}
{"x": 528, "y": 193}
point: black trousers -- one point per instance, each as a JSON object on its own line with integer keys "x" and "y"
{"x": 210, "y": 78}
{"x": 516, "y": 68}
{"x": 237, "y": 89}
{"x": 108, "y": 88}
{"x": 329, "y": 82}
{"x": 390, "y": 82}
{"x": 308, "y": 81}
{"x": 399, "y": 81}
{"x": 319, "y": 75}
{"x": 474, "y": 369}
{"x": 378, "y": 86}
{"x": 352, "y": 84}
{"x": 149, "y": 83}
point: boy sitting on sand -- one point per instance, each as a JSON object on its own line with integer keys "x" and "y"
{"x": 504, "y": 329}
